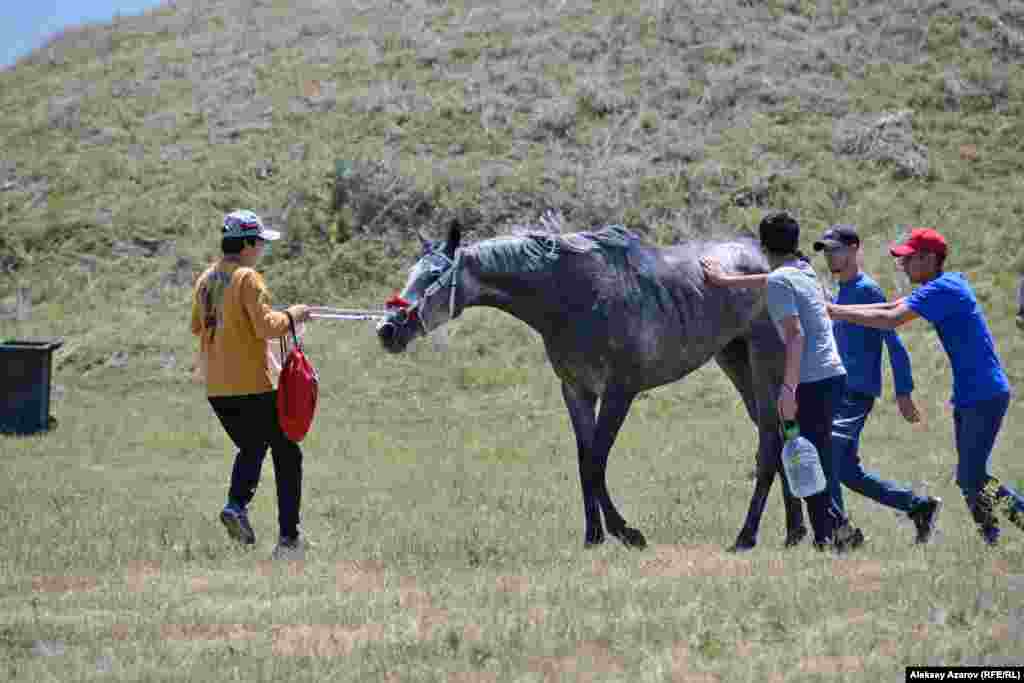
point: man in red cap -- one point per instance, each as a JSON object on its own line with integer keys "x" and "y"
{"x": 981, "y": 391}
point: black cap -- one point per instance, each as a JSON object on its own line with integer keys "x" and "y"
{"x": 842, "y": 235}
{"x": 780, "y": 233}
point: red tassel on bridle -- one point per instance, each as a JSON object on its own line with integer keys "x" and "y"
{"x": 395, "y": 301}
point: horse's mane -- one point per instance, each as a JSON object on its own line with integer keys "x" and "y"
{"x": 531, "y": 250}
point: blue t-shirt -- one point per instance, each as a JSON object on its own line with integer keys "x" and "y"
{"x": 948, "y": 303}
{"x": 861, "y": 347}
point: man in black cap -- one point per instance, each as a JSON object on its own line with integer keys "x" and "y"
{"x": 861, "y": 351}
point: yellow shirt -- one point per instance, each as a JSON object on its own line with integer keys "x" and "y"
{"x": 231, "y": 314}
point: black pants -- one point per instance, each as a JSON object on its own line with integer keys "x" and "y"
{"x": 251, "y": 422}
{"x": 817, "y": 403}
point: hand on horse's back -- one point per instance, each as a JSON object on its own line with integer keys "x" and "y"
{"x": 713, "y": 271}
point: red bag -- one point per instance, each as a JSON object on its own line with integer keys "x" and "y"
{"x": 297, "y": 390}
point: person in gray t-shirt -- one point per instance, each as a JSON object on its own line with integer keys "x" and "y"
{"x": 793, "y": 290}
{"x": 814, "y": 378}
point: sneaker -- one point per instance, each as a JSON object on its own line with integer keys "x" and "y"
{"x": 289, "y": 548}
{"x": 985, "y": 517}
{"x": 1015, "y": 516}
{"x": 1006, "y": 506}
{"x": 236, "y": 521}
{"x": 924, "y": 517}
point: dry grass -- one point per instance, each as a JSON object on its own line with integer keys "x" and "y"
{"x": 207, "y": 632}
{"x": 360, "y": 576}
{"x": 63, "y": 584}
{"x": 323, "y": 640}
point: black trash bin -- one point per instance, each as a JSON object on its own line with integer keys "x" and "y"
{"x": 25, "y": 372}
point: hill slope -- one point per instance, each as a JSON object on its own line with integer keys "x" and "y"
{"x": 349, "y": 126}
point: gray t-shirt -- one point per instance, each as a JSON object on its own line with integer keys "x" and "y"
{"x": 793, "y": 289}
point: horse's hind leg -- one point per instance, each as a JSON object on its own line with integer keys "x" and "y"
{"x": 615, "y": 405}
{"x": 769, "y": 446}
{"x": 754, "y": 382}
{"x": 767, "y": 362}
{"x": 734, "y": 359}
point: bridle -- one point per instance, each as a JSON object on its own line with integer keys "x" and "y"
{"x": 449, "y": 278}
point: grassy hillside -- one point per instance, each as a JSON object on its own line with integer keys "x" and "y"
{"x": 441, "y": 486}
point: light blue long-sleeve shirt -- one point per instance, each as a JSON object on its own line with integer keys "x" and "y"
{"x": 861, "y": 347}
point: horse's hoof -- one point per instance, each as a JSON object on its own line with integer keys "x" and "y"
{"x": 631, "y": 538}
{"x": 742, "y": 545}
{"x": 795, "y": 537}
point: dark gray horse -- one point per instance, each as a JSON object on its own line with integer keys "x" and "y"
{"x": 618, "y": 317}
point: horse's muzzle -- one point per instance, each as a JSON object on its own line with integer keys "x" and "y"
{"x": 393, "y": 336}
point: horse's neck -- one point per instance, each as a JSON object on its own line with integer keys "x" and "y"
{"x": 527, "y": 295}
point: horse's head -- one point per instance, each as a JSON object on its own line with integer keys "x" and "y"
{"x": 428, "y": 299}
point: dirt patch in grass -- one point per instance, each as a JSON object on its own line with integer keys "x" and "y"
{"x": 512, "y": 583}
{"x": 207, "y": 632}
{"x": 268, "y": 568}
{"x": 857, "y": 616}
{"x": 410, "y": 596}
{"x": 831, "y": 665}
{"x": 429, "y": 620}
{"x": 591, "y": 658}
{"x": 139, "y": 572}
{"x": 1000, "y": 567}
{"x": 1013, "y": 629}
{"x": 198, "y": 584}
{"x": 323, "y": 640}
{"x": 695, "y": 677}
{"x": 472, "y": 677}
{"x": 535, "y": 616}
{"x": 359, "y": 576}
{"x": 63, "y": 584}
{"x": 680, "y": 656}
{"x": 472, "y": 633}
{"x": 680, "y": 561}
{"x": 863, "y": 576}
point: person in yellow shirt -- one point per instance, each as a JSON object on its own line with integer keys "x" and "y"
{"x": 232, "y": 317}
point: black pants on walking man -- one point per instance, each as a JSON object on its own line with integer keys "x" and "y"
{"x": 251, "y": 422}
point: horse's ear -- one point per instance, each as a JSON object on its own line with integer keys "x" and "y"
{"x": 454, "y": 237}
{"x": 424, "y": 242}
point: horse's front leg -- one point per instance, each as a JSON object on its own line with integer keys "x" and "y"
{"x": 614, "y": 406}
{"x": 582, "y": 408}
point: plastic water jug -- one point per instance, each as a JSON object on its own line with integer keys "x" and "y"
{"x": 801, "y": 463}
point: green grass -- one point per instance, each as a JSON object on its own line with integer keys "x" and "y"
{"x": 456, "y": 471}
{"x": 455, "y": 468}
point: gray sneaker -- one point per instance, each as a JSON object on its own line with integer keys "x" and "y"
{"x": 291, "y": 549}
{"x": 236, "y": 521}
{"x": 924, "y": 517}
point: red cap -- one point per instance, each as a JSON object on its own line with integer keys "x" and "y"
{"x": 921, "y": 239}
